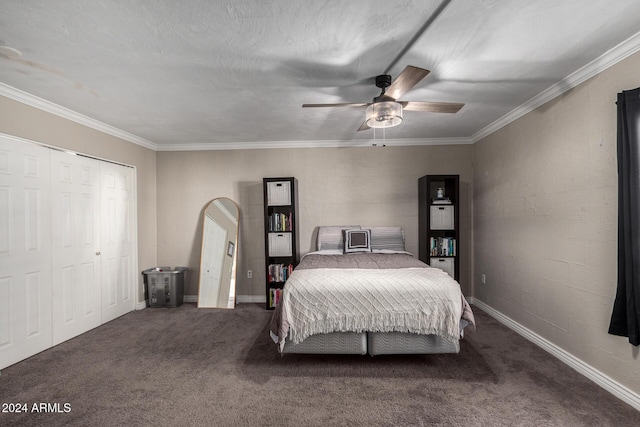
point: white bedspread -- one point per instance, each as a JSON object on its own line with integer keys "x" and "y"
{"x": 417, "y": 300}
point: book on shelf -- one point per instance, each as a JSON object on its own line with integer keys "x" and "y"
{"x": 280, "y": 222}
{"x": 440, "y": 201}
{"x": 442, "y": 246}
{"x": 279, "y": 272}
{"x": 275, "y": 295}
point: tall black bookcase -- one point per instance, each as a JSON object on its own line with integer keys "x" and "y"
{"x": 439, "y": 223}
{"x": 281, "y": 241}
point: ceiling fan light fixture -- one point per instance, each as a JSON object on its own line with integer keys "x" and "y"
{"x": 383, "y": 114}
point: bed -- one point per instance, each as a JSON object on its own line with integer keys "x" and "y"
{"x": 360, "y": 292}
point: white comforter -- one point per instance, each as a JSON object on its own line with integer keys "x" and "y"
{"x": 417, "y": 300}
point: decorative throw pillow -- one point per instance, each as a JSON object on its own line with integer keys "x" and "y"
{"x": 357, "y": 241}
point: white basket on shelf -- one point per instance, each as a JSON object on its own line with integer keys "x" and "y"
{"x": 442, "y": 217}
{"x": 279, "y": 193}
{"x": 280, "y": 244}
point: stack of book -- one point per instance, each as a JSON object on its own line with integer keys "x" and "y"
{"x": 442, "y": 246}
{"x": 441, "y": 201}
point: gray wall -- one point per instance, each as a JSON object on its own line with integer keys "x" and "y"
{"x": 545, "y": 221}
{"x": 366, "y": 186}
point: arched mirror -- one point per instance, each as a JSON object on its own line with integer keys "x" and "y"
{"x": 217, "y": 286}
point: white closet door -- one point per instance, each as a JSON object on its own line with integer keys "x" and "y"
{"x": 75, "y": 182}
{"x": 25, "y": 251}
{"x": 117, "y": 240}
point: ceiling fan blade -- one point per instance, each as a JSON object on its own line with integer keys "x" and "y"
{"x": 407, "y": 79}
{"x": 362, "y": 104}
{"x": 433, "y": 107}
{"x": 363, "y": 126}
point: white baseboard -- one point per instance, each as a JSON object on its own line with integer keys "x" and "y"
{"x": 240, "y": 299}
{"x": 190, "y": 298}
{"x": 620, "y": 391}
{"x": 251, "y": 299}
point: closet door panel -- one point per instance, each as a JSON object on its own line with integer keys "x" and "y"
{"x": 117, "y": 240}
{"x": 25, "y": 251}
{"x": 75, "y": 182}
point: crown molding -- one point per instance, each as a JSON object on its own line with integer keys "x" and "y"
{"x": 598, "y": 65}
{"x": 204, "y": 146}
{"x": 49, "y": 107}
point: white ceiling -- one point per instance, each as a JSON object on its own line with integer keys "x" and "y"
{"x": 197, "y": 74}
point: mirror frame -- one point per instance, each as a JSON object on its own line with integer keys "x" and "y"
{"x": 227, "y": 250}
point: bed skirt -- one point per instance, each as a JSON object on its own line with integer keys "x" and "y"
{"x": 373, "y": 343}
{"x": 334, "y": 343}
{"x": 404, "y": 343}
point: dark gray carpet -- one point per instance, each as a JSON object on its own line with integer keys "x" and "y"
{"x": 189, "y": 366}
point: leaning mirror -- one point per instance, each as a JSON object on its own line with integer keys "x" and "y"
{"x": 217, "y": 287}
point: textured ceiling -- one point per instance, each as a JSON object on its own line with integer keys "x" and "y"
{"x": 188, "y": 74}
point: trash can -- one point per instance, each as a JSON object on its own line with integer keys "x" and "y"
{"x": 164, "y": 286}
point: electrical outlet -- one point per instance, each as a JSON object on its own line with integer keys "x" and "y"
{"x": 484, "y": 279}
{"x": 249, "y": 274}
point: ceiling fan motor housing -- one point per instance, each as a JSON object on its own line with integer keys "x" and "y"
{"x": 383, "y": 81}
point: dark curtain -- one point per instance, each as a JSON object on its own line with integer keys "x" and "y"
{"x": 625, "y": 318}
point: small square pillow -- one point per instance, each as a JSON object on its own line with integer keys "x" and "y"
{"x": 357, "y": 241}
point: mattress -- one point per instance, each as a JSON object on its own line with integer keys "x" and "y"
{"x": 383, "y": 293}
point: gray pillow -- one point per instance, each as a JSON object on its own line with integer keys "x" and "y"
{"x": 332, "y": 237}
{"x": 390, "y": 238}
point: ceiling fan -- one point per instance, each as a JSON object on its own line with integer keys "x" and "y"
{"x": 385, "y": 111}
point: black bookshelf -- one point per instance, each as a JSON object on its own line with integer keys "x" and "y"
{"x": 281, "y": 240}
{"x": 439, "y": 222}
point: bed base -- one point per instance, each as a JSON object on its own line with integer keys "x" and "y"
{"x": 373, "y": 343}
{"x": 334, "y": 343}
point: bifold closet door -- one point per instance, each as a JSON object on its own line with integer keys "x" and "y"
{"x": 25, "y": 250}
{"x": 67, "y": 246}
{"x": 75, "y": 194}
{"x": 117, "y": 240}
